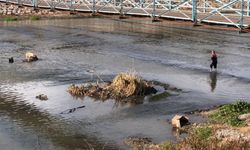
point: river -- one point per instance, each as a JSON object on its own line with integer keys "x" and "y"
{"x": 84, "y": 50}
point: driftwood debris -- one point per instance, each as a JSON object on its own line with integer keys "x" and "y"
{"x": 123, "y": 86}
{"x": 71, "y": 110}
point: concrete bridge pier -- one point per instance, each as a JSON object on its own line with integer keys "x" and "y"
{"x": 35, "y": 4}
{"x": 194, "y": 11}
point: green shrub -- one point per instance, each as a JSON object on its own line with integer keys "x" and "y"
{"x": 9, "y": 18}
{"x": 168, "y": 145}
{"x": 203, "y": 133}
{"x": 229, "y": 113}
{"x": 35, "y": 18}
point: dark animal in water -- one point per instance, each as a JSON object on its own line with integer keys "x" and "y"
{"x": 11, "y": 60}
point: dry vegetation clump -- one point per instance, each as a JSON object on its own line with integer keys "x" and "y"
{"x": 141, "y": 143}
{"x": 129, "y": 84}
{"x": 123, "y": 86}
{"x": 194, "y": 142}
{"x": 92, "y": 90}
{"x": 203, "y": 138}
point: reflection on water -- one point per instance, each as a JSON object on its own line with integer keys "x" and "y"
{"x": 213, "y": 80}
{"x": 44, "y": 130}
{"x": 178, "y": 133}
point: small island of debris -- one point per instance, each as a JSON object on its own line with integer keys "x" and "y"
{"x": 123, "y": 86}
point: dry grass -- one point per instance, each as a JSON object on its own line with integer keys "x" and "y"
{"x": 128, "y": 84}
{"x": 76, "y": 90}
{"x": 95, "y": 91}
{"x": 244, "y": 129}
{"x": 204, "y": 138}
{"x": 123, "y": 86}
{"x": 195, "y": 143}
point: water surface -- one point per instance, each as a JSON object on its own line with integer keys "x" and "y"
{"x": 82, "y": 50}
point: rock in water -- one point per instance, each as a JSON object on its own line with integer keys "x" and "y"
{"x": 179, "y": 121}
{"x": 30, "y": 57}
{"x": 42, "y": 97}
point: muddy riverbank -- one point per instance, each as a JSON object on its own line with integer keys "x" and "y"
{"x": 76, "y": 51}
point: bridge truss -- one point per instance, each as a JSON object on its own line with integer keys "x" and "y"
{"x": 227, "y": 12}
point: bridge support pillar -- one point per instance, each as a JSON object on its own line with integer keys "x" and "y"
{"x": 71, "y": 7}
{"x": 93, "y": 8}
{"x": 154, "y": 12}
{"x": 248, "y": 7}
{"x": 19, "y": 3}
{"x": 242, "y": 15}
{"x": 34, "y": 4}
{"x": 204, "y": 6}
{"x": 142, "y": 3}
{"x": 170, "y": 4}
{"x": 121, "y": 10}
{"x": 194, "y": 11}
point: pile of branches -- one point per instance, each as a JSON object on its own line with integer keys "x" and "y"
{"x": 123, "y": 86}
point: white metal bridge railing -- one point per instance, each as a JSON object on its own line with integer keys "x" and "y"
{"x": 228, "y": 12}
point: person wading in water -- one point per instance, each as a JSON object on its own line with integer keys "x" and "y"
{"x": 214, "y": 61}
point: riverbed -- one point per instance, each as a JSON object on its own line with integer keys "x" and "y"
{"x": 75, "y": 51}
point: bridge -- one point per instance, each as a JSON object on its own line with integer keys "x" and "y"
{"x": 226, "y": 12}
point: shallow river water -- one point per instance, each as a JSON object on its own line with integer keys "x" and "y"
{"x": 84, "y": 50}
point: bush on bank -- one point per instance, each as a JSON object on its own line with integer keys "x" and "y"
{"x": 229, "y": 113}
{"x": 10, "y": 18}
